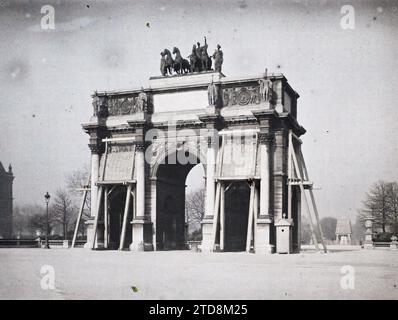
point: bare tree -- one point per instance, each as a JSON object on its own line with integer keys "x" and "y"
{"x": 76, "y": 181}
{"x": 64, "y": 210}
{"x": 195, "y": 208}
{"x": 37, "y": 219}
{"x": 392, "y": 202}
{"x": 376, "y": 204}
{"x": 30, "y": 218}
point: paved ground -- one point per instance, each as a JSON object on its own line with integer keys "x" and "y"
{"x": 81, "y": 274}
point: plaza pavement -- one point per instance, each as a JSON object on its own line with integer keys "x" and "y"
{"x": 83, "y": 274}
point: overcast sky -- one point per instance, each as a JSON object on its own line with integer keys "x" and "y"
{"x": 347, "y": 79}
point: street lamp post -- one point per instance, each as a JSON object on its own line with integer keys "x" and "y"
{"x": 47, "y": 199}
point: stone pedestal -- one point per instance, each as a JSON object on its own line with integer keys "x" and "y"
{"x": 90, "y": 233}
{"x": 368, "y": 244}
{"x": 207, "y": 232}
{"x": 394, "y": 243}
{"x": 138, "y": 243}
{"x": 262, "y": 234}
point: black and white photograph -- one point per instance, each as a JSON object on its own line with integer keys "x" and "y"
{"x": 212, "y": 150}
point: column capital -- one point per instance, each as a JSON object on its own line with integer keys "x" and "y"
{"x": 213, "y": 141}
{"x": 140, "y": 146}
{"x": 97, "y": 148}
{"x": 266, "y": 137}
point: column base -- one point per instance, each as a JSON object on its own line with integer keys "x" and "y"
{"x": 262, "y": 241}
{"x": 88, "y": 245}
{"x": 140, "y": 228}
{"x": 90, "y": 233}
{"x": 207, "y": 235}
{"x": 265, "y": 249}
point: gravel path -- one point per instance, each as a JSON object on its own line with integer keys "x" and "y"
{"x": 82, "y": 274}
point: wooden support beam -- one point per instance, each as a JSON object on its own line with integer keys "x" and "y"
{"x": 255, "y": 155}
{"x": 110, "y": 191}
{"x": 218, "y": 192}
{"x": 216, "y": 212}
{"x": 106, "y": 219}
{"x": 115, "y": 182}
{"x": 289, "y": 176}
{"x": 123, "y": 139}
{"x": 80, "y": 214}
{"x": 305, "y": 171}
{"x": 250, "y": 219}
{"x": 100, "y": 193}
{"x": 298, "y": 173}
{"x": 99, "y": 199}
{"x": 222, "y": 216}
{"x": 255, "y": 212}
{"x": 318, "y": 221}
{"x": 125, "y": 215}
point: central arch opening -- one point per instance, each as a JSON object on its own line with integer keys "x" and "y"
{"x": 171, "y": 188}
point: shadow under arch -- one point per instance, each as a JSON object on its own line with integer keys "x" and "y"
{"x": 170, "y": 222}
{"x": 165, "y": 153}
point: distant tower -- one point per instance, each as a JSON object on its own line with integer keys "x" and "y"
{"x": 343, "y": 231}
{"x": 6, "y": 179}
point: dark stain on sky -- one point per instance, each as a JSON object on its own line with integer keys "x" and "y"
{"x": 242, "y": 4}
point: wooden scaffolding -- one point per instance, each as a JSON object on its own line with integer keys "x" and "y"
{"x": 298, "y": 176}
{"x": 223, "y": 184}
{"x": 105, "y": 189}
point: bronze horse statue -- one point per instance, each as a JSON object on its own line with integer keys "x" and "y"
{"x": 168, "y": 62}
{"x": 180, "y": 64}
{"x": 194, "y": 60}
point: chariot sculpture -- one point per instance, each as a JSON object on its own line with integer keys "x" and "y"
{"x": 199, "y": 60}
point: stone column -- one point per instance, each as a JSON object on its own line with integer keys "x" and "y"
{"x": 262, "y": 240}
{"x": 95, "y": 163}
{"x": 140, "y": 191}
{"x": 207, "y": 222}
{"x": 139, "y": 216}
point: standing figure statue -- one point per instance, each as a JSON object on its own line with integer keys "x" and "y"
{"x": 141, "y": 101}
{"x": 212, "y": 92}
{"x": 199, "y": 56}
{"x": 96, "y": 104}
{"x": 180, "y": 65}
{"x": 163, "y": 69}
{"x": 266, "y": 89}
{"x": 169, "y": 61}
{"x": 218, "y": 59}
{"x": 204, "y": 57}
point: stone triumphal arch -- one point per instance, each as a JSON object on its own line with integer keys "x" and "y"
{"x": 243, "y": 131}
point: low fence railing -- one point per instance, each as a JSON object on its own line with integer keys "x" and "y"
{"x": 381, "y": 244}
{"x": 38, "y": 243}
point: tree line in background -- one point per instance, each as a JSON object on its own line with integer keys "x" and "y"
{"x": 30, "y": 220}
{"x": 381, "y": 203}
